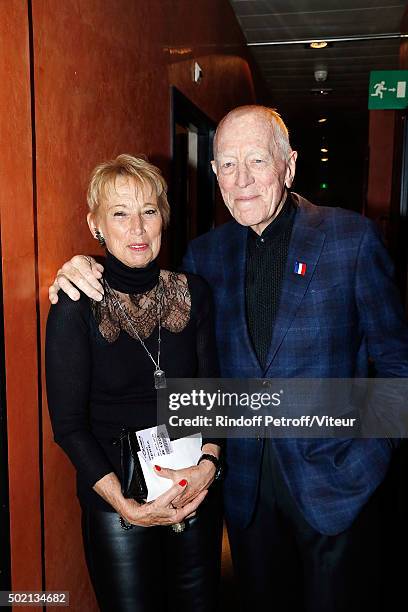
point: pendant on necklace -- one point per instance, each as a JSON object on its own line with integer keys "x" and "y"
{"x": 159, "y": 379}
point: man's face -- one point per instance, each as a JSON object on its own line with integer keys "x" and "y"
{"x": 250, "y": 170}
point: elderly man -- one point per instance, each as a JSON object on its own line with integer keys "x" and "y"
{"x": 300, "y": 291}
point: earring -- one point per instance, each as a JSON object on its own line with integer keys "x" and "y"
{"x": 100, "y": 238}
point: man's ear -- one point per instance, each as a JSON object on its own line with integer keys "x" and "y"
{"x": 290, "y": 169}
{"x": 214, "y": 167}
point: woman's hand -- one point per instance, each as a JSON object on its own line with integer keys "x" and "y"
{"x": 161, "y": 511}
{"x": 198, "y": 477}
{"x": 82, "y": 272}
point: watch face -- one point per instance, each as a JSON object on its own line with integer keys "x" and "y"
{"x": 218, "y": 472}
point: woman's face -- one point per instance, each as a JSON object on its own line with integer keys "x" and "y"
{"x": 130, "y": 221}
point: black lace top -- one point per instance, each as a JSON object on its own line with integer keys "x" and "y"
{"x": 100, "y": 378}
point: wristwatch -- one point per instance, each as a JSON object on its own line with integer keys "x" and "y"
{"x": 219, "y": 468}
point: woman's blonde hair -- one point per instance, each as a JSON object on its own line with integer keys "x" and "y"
{"x": 137, "y": 168}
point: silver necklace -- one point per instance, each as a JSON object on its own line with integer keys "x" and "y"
{"x": 159, "y": 375}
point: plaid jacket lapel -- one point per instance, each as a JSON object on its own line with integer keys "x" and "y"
{"x": 305, "y": 247}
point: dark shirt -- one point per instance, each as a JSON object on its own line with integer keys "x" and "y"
{"x": 266, "y": 261}
{"x": 96, "y": 387}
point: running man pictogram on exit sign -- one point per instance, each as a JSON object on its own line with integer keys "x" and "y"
{"x": 388, "y": 89}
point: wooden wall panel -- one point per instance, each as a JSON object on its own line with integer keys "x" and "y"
{"x": 100, "y": 82}
{"x": 381, "y": 143}
{"x": 19, "y": 295}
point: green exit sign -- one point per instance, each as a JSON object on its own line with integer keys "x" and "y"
{"x": 388, "y": 89}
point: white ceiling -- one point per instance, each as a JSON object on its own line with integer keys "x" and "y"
{"x": 289, "y": 69}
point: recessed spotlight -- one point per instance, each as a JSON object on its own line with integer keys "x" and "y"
{"x": 324, "y": 159}
{"x": 318, "y": 44}
{"x": 322, "y": 120}
{"x": 324, "y": 150}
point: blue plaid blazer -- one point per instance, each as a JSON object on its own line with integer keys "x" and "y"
{"x": 342, "y": 311}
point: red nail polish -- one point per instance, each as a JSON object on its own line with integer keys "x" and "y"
{"x": 158, "y": 468}
{"x": 183, "y": 482}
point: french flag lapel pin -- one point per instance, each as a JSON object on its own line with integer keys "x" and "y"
{"x": 300, "y": 268}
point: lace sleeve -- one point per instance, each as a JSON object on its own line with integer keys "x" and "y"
{"x": 68, "y": 374}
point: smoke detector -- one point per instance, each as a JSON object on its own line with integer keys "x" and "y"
{"x": 320, "y": 74}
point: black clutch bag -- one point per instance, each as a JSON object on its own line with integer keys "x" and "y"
{"x": 132, "y": 479}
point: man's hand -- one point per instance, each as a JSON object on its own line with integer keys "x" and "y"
{"x": 81, "y": 271}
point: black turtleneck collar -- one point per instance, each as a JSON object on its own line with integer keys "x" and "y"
{"x": 130, "y": 280}
{"x": 275, "y": 227}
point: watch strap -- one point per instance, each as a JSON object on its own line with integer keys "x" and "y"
{"x": 209, "y": 457}
{"x": 216, "y": 461}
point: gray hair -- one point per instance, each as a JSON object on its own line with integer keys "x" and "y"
{"x": 280, "y": 131}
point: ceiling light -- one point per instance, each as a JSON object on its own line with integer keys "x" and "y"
{"x": 324, "y": 150}
{"x": 332, "y": 39}
{"x": 322, "y": 120}
{"x": 318, "y": 44}
{"x": 324, "y": 159}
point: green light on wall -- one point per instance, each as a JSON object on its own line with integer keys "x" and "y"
{"x": 324, "y": 185}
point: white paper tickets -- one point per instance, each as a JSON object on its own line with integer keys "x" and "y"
{"x": 154, "y": 442}
{"x": 186, "y": 452}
